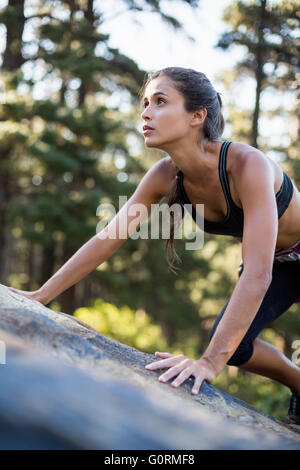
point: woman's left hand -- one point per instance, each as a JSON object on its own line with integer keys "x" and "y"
{"x": 183, "y": 367}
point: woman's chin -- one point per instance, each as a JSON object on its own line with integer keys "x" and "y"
{"x": 152, "y": 143}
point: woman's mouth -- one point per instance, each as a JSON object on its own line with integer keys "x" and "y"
{"x": 147, "y": 129}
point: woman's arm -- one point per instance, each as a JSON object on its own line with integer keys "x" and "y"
{"x": 152, "y": 188}
{"x": 244, "y": 303}
{"x": 255, "y": 184}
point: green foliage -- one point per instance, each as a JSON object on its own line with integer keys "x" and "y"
{"x": 134, "y": 328}
{"x": 266, "y": 31}
{"x": 271, "y": 33}
{"x": 59, "y": 159}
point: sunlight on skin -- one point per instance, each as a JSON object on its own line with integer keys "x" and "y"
{"x": 182, "y": 367}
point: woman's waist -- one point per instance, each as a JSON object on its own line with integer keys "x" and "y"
{"x": 289, "y": 254}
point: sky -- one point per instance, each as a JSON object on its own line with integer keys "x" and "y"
{"x": 145, "y": 38}
{"x": 153, "y": 45}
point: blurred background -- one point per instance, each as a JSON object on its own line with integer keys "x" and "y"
{"x": 70, "y": 139}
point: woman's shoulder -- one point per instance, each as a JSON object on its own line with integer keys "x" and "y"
{"x": 161, "y": 176}
{"x": 243, "y": 151}
{"x": 168, "y": 166}
{"x": 167, "y": 170}
{"x": 248, "y": 159}
{"x": 241, "y": 155}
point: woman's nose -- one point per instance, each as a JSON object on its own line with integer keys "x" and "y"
{"x": 145, "y": 114}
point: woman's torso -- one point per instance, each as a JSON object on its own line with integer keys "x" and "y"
{"x": 213, "y": 197}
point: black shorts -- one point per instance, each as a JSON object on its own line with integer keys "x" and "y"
{"x": 283, "y": 291}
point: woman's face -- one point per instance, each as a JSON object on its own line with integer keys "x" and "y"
{"x": 165, "y": 113}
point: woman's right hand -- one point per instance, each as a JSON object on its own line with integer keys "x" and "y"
{"x": 34, "y": 295}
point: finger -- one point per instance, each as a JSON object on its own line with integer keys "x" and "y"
{"x": 197, "y": 384}
{"x": 163, "y": 363}
{"x": 163, "y": 354}
{"x": 173, "y": 371}
{"x": 182, "y": 377}
{"x": 15, "y": 291}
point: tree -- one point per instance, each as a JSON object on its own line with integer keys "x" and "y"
{"x": 268, "y": 34}
{"x": 12, "y": 61}
{"x": 71, "y": 140}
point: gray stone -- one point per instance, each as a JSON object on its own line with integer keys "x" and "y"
{"x": 65, "y": 386}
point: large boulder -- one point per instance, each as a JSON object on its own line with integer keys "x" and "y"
{"x": 65, "y": 386}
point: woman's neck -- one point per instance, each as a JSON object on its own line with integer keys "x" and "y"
{"x": 197, "y": 162}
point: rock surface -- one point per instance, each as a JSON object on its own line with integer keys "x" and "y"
{"x": 65, "y": 386}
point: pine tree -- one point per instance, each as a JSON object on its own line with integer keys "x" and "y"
{"x": 267, "y": 31}
{"x": 71, "y": 143}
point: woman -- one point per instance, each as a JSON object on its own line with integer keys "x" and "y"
{"x": 246, "y": 195}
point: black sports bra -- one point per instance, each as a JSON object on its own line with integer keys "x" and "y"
{"x": 233, "y": 222}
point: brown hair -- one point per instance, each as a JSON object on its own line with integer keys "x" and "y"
{"x": 198, "y": 93}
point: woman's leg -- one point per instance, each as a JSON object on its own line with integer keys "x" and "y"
{"x": 256, "y": 355}
{"x": 268, "y": 361}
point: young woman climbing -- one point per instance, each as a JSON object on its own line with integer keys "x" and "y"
{"x": 245, "y": 195}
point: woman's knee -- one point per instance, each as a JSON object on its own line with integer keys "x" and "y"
{"x": 241, "y": 355}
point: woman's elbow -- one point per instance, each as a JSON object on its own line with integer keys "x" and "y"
{"x": 262, "y": 278}
{"x": 266, "y": 279}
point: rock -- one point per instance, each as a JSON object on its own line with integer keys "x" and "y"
{"x": 65, "y": 386}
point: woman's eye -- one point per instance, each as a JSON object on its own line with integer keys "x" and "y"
{"x": 158, "y": 100}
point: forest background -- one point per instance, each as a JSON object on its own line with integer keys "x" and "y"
{"x": 70, "y": 140}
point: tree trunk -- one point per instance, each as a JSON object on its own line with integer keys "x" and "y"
{"x": 12, "y": 56}
{"x": 259, "y": 75}
{"x": 90, "y": 17}
{"x": 12, "y": 61}
{"x": 67, "y": 299}
{"x": 84, "y": 293}
{"x": 47, "y": 262}
{"x": 7, "y": 255}
{"x": 30, "y": 265}
{"x": 5, "y": 196}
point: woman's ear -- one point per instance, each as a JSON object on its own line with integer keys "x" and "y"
{"x": 198, "y": 117}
